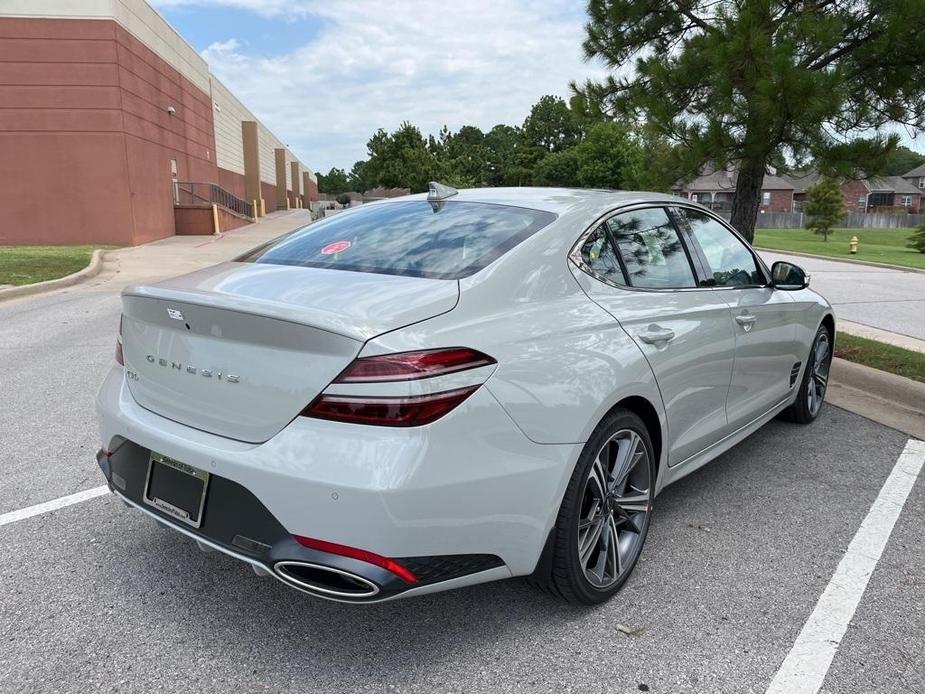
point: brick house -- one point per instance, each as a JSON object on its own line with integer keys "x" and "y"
{"x": 882, "y": 194}
{"x": 916, "y": 177}
{"x": 715, "y": 189}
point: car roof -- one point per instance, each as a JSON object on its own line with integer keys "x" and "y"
{"x": 557, "y": 200}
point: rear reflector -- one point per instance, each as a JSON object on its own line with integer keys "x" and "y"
{"x": 402, "y": 572}
{"x": 119, "y": 358}
{"x": 409, "y": 411}
{"x": 406, "y": 366}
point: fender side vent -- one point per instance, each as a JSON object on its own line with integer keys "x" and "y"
{"x": 794, "y": 372}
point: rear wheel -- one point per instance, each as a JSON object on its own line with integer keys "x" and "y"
{"x": 604, "y": 517}
{"x": 815, "y": 381}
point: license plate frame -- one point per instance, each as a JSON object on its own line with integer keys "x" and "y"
{"x": 172, "y": 507}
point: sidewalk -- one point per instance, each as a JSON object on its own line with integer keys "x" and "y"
{"x": 177, "y": 255}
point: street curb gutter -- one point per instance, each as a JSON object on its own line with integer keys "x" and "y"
{"x": 92, "y": 270}
{"x": 836, "y": 259}
{"x": 883, "y": 397}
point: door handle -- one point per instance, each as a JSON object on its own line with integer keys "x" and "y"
{"x": 654, "y": 335}
{"x": 746, "y": 320}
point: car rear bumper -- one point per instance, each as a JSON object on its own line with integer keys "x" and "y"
{"x": 464, "y": 500}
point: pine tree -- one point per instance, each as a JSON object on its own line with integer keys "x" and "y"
{"x": 745, "y": 82}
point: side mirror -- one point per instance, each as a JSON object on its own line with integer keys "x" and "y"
{"x": 788, "y": 277}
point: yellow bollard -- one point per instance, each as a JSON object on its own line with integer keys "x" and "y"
{"x": 263, "y": 207}
{"x": 853, "y": 245}
{"x": 255, "y": 209}
{"x": 215, "y": 225}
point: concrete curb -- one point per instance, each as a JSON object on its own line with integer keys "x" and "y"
{"x": 92, "y": 270}
{"x": 886, "y": 398}
{"x": 836, "y": 259}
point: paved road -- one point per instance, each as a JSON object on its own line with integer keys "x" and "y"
{"x": 891, "y": 300}
{"x": 94, "y": 597}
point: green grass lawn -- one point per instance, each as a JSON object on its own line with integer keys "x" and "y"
{"x": 27, "y": 264}
{"x": 877, "y": 245}
{"x": 879, "y": 355}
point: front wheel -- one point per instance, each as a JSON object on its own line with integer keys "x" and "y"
{"x": 815, "y": 381}
{"x": 604, "y": 517}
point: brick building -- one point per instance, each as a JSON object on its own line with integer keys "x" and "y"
{"x": 113, "y": 130}
{"x": 715, "y": 189}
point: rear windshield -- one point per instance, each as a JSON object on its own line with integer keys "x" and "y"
{"x": 446, "y": 240}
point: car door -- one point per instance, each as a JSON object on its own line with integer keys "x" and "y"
{"x": 648, "y": 284}
{"x": 764, "y": 319}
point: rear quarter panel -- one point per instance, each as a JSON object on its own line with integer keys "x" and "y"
{"x": 563, "y": 362}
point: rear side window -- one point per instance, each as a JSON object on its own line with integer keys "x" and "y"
{"x": 651, "y": 250}
{"x": 597, "y": 253}
{"x": 448, "y": 240}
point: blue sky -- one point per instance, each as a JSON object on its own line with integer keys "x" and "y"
{"x": 325, "y": 74}
{"x": 203, "y": 25}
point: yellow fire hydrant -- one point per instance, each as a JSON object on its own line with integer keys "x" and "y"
{"x": 853, "y": 245}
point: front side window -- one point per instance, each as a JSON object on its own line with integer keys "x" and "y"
{"x": 731, "y": 263}
{"x": 765, "y": 197}
{"x": 651, "y": 250}
{"x": 907, "y": 200}
{"x": 450, "y": 240}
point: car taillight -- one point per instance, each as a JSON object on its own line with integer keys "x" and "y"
{"x": 407, "y": 366}
{"x": 119, "y": 358}
{"x": 411, "y": 411}
{"x": 402, "y": 409}
{"x": 402, "y": 572}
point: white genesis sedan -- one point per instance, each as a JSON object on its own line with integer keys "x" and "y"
{"x": 445, "y": 389}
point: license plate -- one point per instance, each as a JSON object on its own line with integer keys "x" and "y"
{"x": 176, "y": 488}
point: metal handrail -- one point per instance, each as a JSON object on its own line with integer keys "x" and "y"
{"x": 193, "y": 193}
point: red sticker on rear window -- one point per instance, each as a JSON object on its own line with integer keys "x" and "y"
{"x": 336, "y": 247}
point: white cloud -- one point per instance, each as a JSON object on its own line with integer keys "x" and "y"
{"x": 375, "y": 64}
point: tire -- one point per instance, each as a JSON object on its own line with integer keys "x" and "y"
{"x": 577, "y": 566}
{"x": 811, "y": 394}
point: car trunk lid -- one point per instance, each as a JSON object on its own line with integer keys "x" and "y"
{"x": 240, "y": 349}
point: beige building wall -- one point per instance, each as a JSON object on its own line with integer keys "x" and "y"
{"x": 228, "y": 112}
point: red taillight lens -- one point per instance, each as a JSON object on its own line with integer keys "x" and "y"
{"x": 119, "y": 358}
{"x": 409, "y": 411}
{"x": 402, "y": 572}
{"x": 406, "y": 366}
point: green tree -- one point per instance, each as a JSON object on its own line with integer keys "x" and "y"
{"x": 901, "y": 160}
{"x": 551, "y": 126}
{"x": 401, "y": 160}
{"x": 334, "y": 181}
{"x": 917, "y": 240}
{"x": 558, "y": 169}
{"x": 825, "y": 205}
{"x": 357, "y": 177}
{"x": 736, "y": 82}
{"x": 608, "y": 157}
{"x": 466, "y": 157}
{"x": 509, "y": 159}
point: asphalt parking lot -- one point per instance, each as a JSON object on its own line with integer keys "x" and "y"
{"x": 95, "y": 597}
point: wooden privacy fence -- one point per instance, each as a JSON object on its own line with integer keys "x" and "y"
{"x": 855, "y": 220}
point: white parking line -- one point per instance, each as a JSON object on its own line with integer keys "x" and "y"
{"x": 52, "y": 505}
{"x": 804, "y": 669}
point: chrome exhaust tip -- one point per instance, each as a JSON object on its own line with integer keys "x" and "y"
{"x": 325, "y": 580}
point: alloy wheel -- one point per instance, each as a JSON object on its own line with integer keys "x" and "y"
{"x": 819, "y": 373}
{"x": 615, "y": 509}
